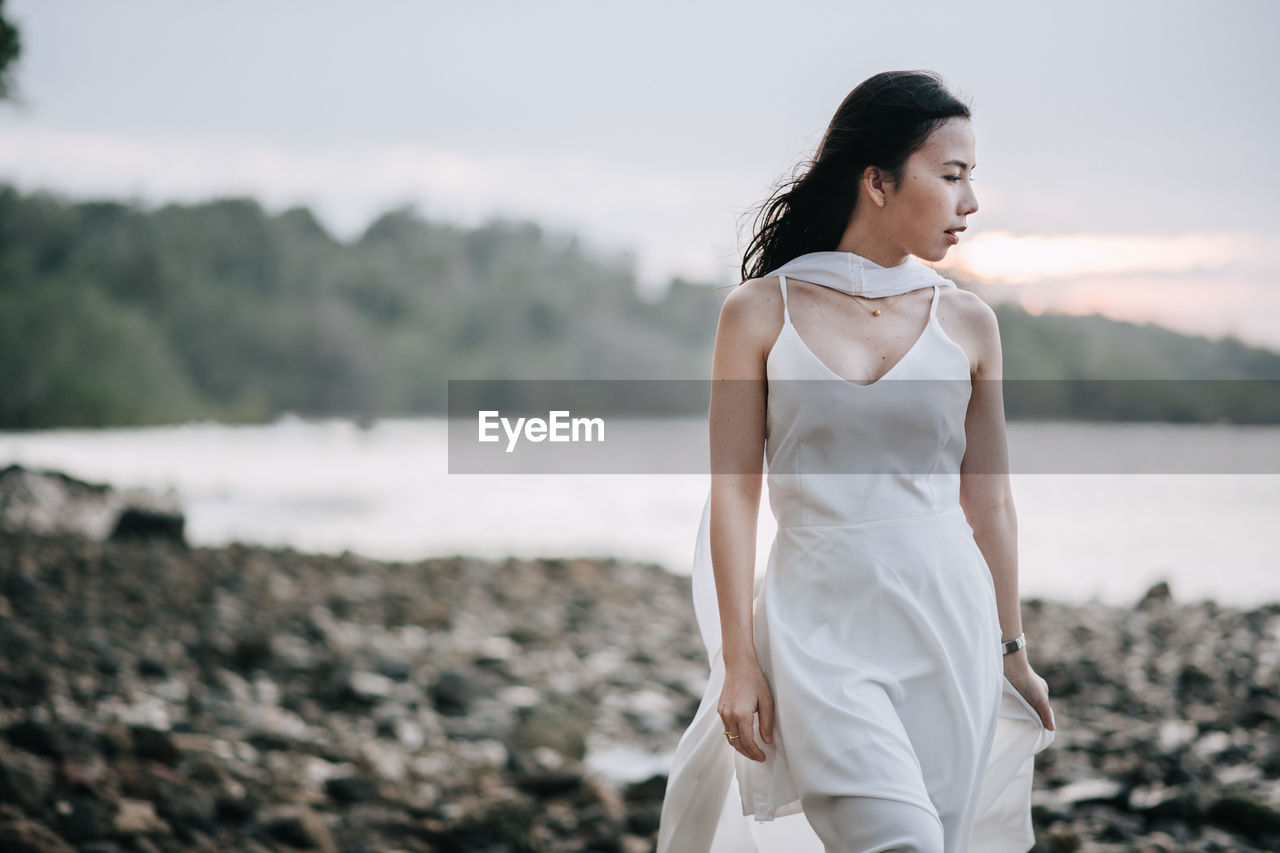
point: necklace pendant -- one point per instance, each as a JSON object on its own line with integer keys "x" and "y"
{"x": 875, "y": 313}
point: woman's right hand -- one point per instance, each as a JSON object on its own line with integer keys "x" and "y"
{"x": 746, "y": 692}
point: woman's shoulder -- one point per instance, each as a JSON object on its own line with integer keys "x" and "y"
{"x": 750, "y": 320}
{"x": 754, "y": 306}
{"x": 970, "y": 321}
{"x": 968, "y": 309}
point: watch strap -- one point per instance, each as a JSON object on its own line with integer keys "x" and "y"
{"x": 1014, "y": 644}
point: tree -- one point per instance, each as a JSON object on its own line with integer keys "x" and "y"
{"x": 10, "y": 49}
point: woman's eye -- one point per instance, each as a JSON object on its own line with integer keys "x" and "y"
{"x": 957, "y": 177}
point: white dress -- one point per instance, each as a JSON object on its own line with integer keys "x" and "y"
{"x": 875, "y": 625}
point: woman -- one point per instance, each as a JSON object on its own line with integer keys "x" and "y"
{"x": 876, "y": 694}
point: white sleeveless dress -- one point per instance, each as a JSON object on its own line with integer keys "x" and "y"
{"x": 876, "y": 623}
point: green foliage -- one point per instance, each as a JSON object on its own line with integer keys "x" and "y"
{"x": 73, "y": 357}
{"x": 10, "y": 50}
{"x": 111, "y": 314}
{"x": 1094, "y": 368}
{"x": 1058, "y": 346}
{"x": 117, "y": 315}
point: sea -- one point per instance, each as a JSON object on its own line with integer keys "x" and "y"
{"x": 384, "y": 489}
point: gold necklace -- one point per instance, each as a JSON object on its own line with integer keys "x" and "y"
{"x": 875, "y": 312}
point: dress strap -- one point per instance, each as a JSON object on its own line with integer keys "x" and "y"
{"x": 933, "y": 306}
{"x": 786, "y": 316}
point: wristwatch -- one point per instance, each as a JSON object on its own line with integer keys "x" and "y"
{"x": 1014, "y": 644}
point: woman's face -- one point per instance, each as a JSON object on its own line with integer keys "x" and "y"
{"x": 935, "y": 193}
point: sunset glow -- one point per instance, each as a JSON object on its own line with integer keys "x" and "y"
{"x": 1005, "y": 258}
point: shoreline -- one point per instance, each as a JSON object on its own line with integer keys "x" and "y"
{"x": 159, "y": 696}
{"x": 213, "y": 696}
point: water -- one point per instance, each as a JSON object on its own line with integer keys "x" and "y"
{"x": 385, "y": 492}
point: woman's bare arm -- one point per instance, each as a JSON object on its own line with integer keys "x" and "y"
{"x": 749, "y": 321}
{"x": 987, "y": 496}
{"x": 737, "y": 425}
{"x": 985, "y": 490}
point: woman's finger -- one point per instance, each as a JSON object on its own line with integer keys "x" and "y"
{"x": 766, "y": 719}
{"x": 747, "y": 743}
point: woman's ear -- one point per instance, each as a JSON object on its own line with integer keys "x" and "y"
{"x": 873, "y": 184}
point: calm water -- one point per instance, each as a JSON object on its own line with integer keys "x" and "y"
{"x": 385, "y": 492}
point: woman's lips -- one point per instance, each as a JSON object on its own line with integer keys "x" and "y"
{"x": 953, "y": 238}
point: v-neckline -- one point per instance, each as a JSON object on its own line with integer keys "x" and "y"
{"x": 883, "y": 376}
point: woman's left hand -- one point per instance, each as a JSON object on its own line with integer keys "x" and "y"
{"x": 1032, "y": 687}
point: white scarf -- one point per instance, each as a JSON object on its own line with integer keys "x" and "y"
{"x": 858, "y": 276}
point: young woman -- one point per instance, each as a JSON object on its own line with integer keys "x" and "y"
{"x": 876, "y": 694}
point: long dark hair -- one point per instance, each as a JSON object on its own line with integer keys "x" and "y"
{"x": 881, "y": 123}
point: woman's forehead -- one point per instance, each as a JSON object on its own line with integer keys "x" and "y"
{"x": 952, "y": 140}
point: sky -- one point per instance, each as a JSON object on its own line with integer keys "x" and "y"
{"x": 1125, "y": 150}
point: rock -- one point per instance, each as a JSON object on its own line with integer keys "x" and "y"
{"x": 1175, "y": 734}
{"x": 644, "y": 818}
{"x": 138, "y": 817}
{"x": 394, "y": 668}
{"x": 1156, "y": 596}
{"x": 495, "y": 650}
{"x": 351, "y": 789}
{"x": 20, "y": 786}
{"x": 116, "y": 739}
{"x": 1063, "y": 840}
{"x": 651, "y": 790}
{"x": 1162, "y": 803}
{"x": 501, "y": 825}
{"x": 235, "y": 808}
{"x": 1090, "y": 791}
{"x": 1159, "y": 842}
{"x": 1194, "y": 683}
{"x": 550, "y": 783}
{"x": 1260, "y": 709}
{"x": 452, "y": 693}
{"x": 252, "y": 652}
{"x": 83, "y": 819}
{"x": 149, "y": 667}
{"x": 637, "y": 843}
{"x": 19, "y": 588}
{"x": 154, "y": 744}
{"x": 447, "y": 704}
{"x": 51, "y": 502}
{"x": 1250, "y": 818}
{"x": 558, "y": 726}
{"x": 297, "y": 826}
{"x": 370, "y": 687}
{"x": 37, "y": 738}
{"x": 383, "y": 760}
{"x": 143, "y": 523}
{"x": 191, "y": 814}
{"x": 18, "y": 835}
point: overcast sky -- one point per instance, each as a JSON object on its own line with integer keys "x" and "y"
{"x": 1125, "y": 149}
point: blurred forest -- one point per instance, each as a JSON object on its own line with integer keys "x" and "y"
{"x": 115, "y": 314}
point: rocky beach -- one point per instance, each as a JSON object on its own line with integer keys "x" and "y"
{"x": 161, "y": 697}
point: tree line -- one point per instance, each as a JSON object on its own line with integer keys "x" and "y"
{"x": 115, "y": 314}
